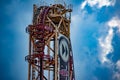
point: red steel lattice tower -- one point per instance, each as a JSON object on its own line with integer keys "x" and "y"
{"x": 50, "y": 53}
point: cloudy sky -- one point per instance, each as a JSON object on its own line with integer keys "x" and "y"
{"x": 95, "y": 36}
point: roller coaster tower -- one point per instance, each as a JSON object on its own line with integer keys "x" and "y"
{"x": 50, "y": 52}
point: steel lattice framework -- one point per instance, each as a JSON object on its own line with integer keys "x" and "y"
{"x": 50, "y": 52}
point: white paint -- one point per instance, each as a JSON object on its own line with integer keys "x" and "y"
{"x": 64, "y": 44}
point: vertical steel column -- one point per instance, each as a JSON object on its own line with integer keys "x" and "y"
{"x": 56, "y": 53}
{"x": 29, "y": 65}
{"x": 41, "y": 69}
{"x": 48, "y": 50}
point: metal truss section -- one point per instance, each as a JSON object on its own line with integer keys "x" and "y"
{"x": 50, "y": 55}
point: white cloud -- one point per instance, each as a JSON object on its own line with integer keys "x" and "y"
{"x": 106, "y": 42}
{"x": 116, "y": 75}
{"x": 115, "y": 22}
{"x": 118, "y": 65}
{"x": 83, "y": 4}
{"x": 98, "y": 3}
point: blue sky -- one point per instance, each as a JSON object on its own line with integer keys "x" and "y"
{"x": 95, "y": 36}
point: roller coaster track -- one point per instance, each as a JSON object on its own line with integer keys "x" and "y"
{"x": 39, "y": 32}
